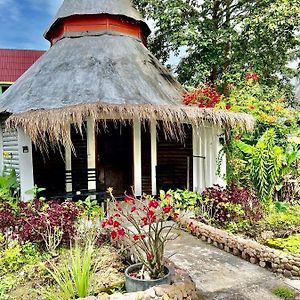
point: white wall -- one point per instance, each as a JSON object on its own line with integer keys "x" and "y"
{"x": 206, "y": 148}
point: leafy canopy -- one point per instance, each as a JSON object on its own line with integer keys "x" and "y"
{"x": 224, "y": 38}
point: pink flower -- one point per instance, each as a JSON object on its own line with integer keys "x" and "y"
{"x": 110, "y": 222}
{"x": 129, "y": 199}
{"x": 175, "y": 216}
{"x": 149, "y": 256}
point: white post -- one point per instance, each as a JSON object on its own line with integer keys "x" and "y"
{"x": 25, "y": 164}
{"x": 196, "y": 173}
{"x": 223, "y": 164}
{"x": 91, "y": 150}
{"x": 137, "y": 157}
{"x": 153, "y": 156}
{"x": 68, "y": 162}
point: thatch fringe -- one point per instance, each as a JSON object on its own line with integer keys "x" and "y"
{"x": 53, "y": 125}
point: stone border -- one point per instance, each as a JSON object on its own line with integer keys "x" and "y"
{"x": 277, "y": 261}
{"x": 183, "y": 288}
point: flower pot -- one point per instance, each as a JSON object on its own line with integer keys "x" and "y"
{"x": 135, "y": 284}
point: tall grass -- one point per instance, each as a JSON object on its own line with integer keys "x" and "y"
{"x": 73, "y": 277}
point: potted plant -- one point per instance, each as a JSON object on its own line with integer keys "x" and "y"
{"x": 141, "y": 224}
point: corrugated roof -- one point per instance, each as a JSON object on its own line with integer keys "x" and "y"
{"x": 13, "y": 63}
{"x": 95, "y": 7}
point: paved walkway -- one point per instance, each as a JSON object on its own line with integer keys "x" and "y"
{"x": 220, "y": 275}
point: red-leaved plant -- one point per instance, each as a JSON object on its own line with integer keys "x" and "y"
{"x": 142, "y": 224}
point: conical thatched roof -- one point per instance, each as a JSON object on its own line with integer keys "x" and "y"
{"x": 93, "y": 7}
{"x": 101, "y": 75}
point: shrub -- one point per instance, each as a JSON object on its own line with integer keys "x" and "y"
{"x": 284, "y": 293}
{"x": 289, "y": 244}
{"x": 233, "y": 203}
{"x": 35, "y": 218}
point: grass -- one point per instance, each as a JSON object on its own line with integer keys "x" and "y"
{"x": 284, "y": 293}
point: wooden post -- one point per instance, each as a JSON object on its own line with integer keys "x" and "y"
{"x": 153, "y": 156}
{"x": 137, "y": 157}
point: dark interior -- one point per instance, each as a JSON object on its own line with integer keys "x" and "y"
{"x": 49, "y": 171}
{"x": 146, "y": 159}
{"x": 115, "y": 157}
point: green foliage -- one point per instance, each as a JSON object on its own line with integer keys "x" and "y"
{"x": 73, "y": 277}
{"x": 284, "y": 293}
{"x": 265, "y": 163}
{"x": 9, "y": 186}
{"x": 181, "y": 199}
{"x": 289, "y": 244}
{"x": 34, "y": 192}
{"x": 91, "y": 209}
{"x": 281, "y": 207}
{"x": 221, "y": 38}
{"x": 282, "y": 223}
{"x": 16, "y": 255}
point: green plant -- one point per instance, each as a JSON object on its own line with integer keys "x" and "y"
{"x": 281, "y": 206}
{"x": 9, "y": 187}
{"x": 180, "y": 199}
{"x": 91, "y": 208}
{"x": 289, "y": 244}
{"x": 284, "y": 293}
{"x": 35, "y": 192}
{"x": 74, "y": 277}
{"x": 265, "y": 163}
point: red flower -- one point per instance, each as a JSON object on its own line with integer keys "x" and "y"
{"x": 228, "y": 106}
{"x": 121, "y": 231}
{"x": 117, "y": 215}
{"x": 150, "y": 256}
{"x": 151, "y": 216}
{"x": 104, "y": 223}
{"x": 133, "y": 209}
{"x": 145, "y": 221}
{"x": 116, "y": 224}
{"x": 252, "y": 76}
{"x": 153, "y": 204}
{"x": 167, "y": 209}
{"x": 136, "y": 237}
{"x": 143, "y": 236}
{"x": 110, "y": 222}
{"x": 175, "y": 216}
{"x": 114, "y": 234}
{"x": 129, "y": 199}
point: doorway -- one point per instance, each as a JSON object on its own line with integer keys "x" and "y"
{"x": 115, "y": 157}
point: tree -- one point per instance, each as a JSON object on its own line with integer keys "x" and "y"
{"x": 224, "y": 39}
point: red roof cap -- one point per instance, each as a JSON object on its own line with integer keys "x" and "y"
{"x": 13, "y": 63}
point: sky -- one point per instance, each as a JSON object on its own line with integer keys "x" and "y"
{"x": 23, "y": 22}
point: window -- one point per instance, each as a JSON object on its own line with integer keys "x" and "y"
{"x": 3, "y": 88}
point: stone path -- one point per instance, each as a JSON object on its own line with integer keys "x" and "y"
{"x": 220, "y": 275}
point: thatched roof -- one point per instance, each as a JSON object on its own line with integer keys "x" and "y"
{"x": 92, "y": 7}
{"x": 53, "y": 124}
{"x": 101, "y": 75}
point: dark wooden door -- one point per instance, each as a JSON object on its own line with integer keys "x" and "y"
{"x": 115, "y": 158}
